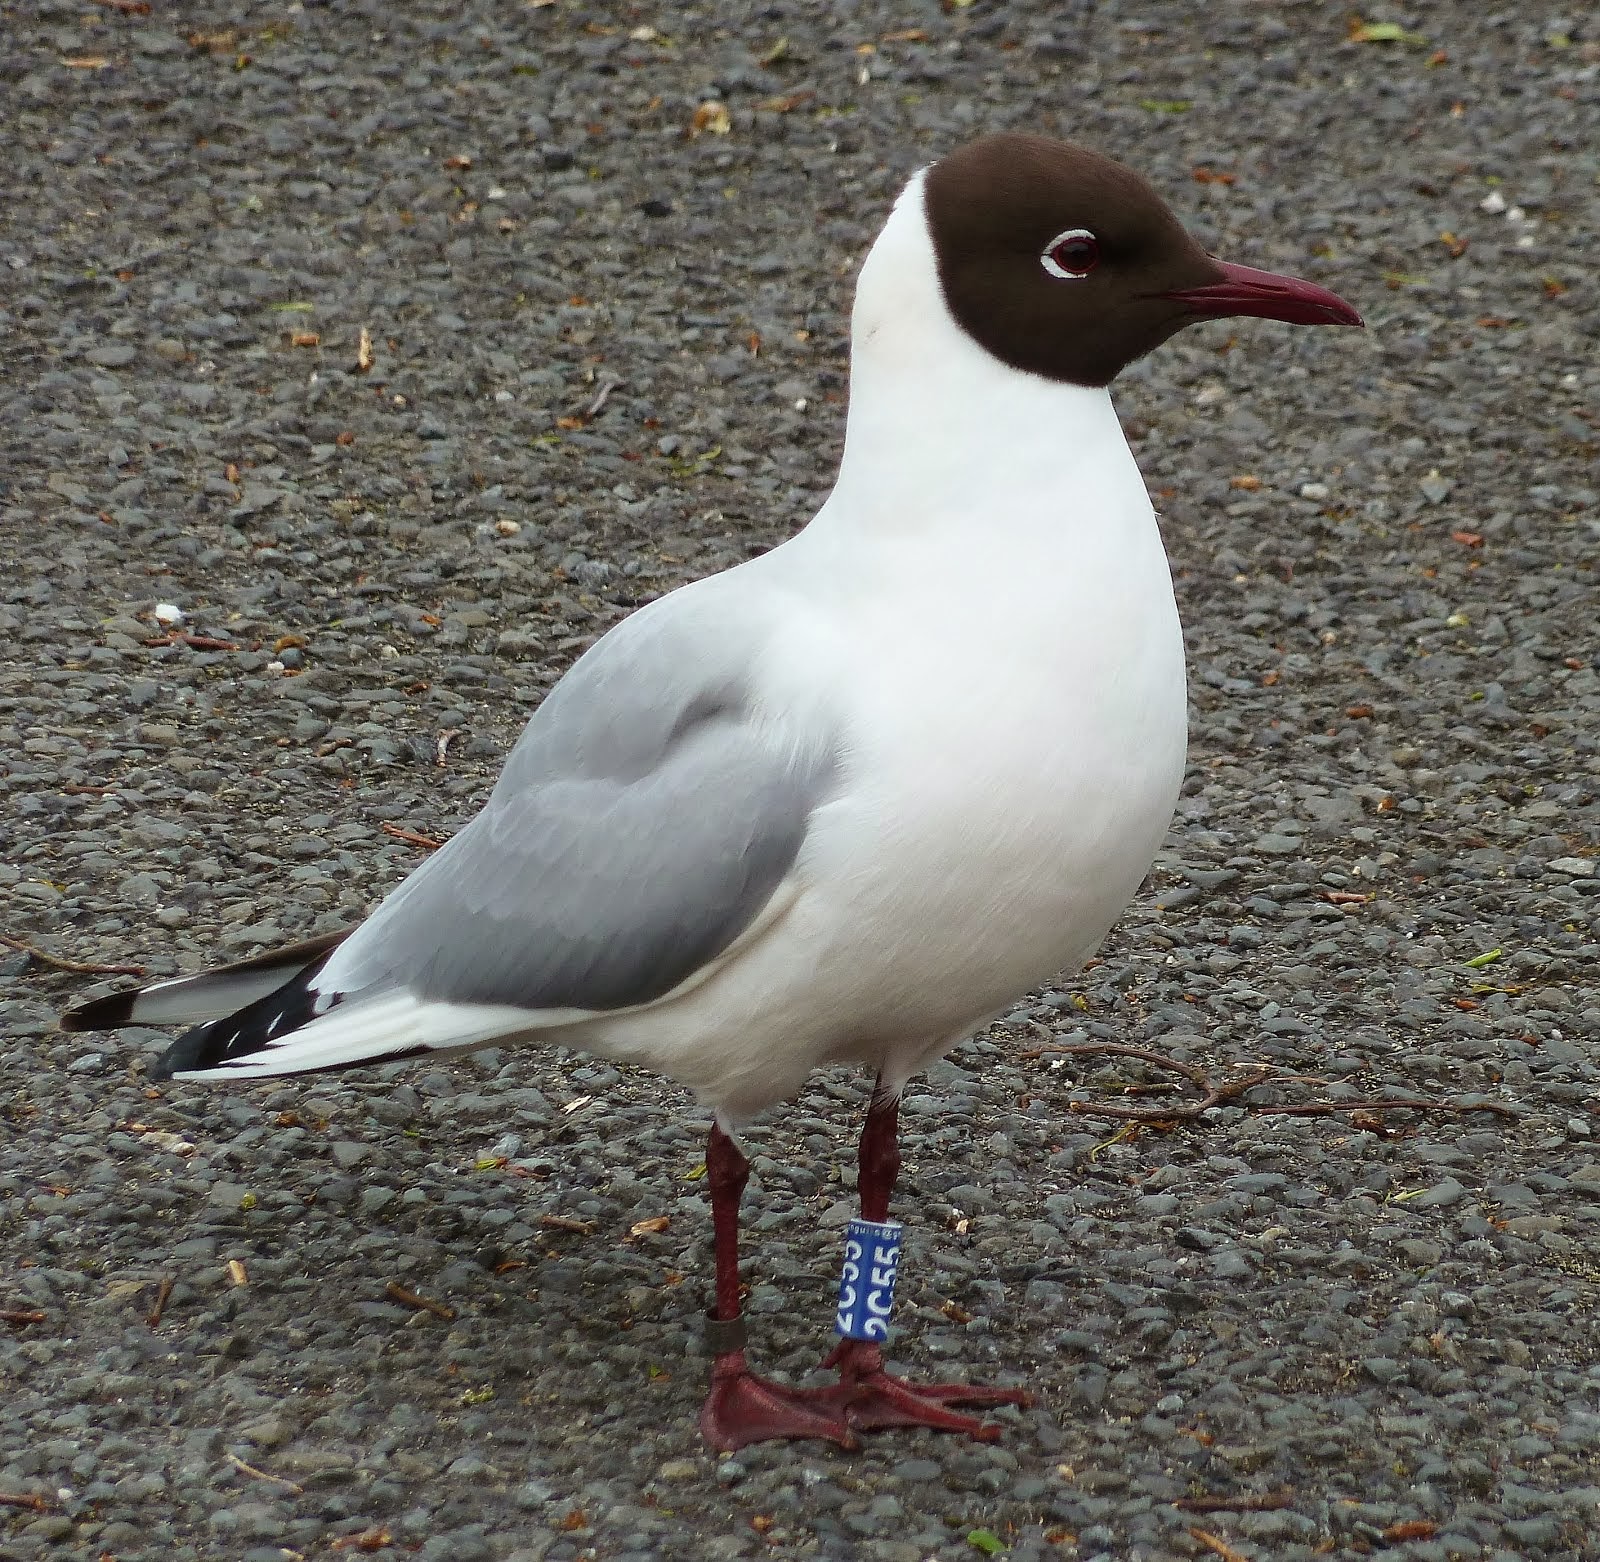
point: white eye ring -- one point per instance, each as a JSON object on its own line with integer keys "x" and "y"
{"x": 1055, "y": 268}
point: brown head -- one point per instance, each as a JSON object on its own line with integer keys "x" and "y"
{"x": 1065, "y": 264}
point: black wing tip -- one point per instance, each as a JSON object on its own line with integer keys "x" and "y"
{"x": 187, "y": 1052}
{"x": 109, "y": 1013}
{"x": 246, "y": 1031}
{"x": 115, "y": 1010}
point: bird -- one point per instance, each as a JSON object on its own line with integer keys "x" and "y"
{"x": 847, "y": 801}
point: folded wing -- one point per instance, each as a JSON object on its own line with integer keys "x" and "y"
{"x": 648, "y": 813}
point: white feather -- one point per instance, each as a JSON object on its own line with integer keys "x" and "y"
{"x": 364, "y": 1032}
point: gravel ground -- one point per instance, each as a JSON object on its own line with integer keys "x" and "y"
{"x": 607, "y": 358}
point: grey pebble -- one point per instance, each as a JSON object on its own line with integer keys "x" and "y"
{"x": 1442, "y": 1195}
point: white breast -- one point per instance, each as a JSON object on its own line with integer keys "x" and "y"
{"x": 1019, "y": 727}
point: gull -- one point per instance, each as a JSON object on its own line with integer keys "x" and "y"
{"x": 846, "y": 802}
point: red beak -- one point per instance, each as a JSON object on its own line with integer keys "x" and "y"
{"x": 1246, "y": 291}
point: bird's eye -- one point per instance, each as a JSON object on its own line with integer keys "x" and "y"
{"x": 1071, "y": 255}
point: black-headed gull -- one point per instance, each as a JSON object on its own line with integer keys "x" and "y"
{"x": 845, "y": 802}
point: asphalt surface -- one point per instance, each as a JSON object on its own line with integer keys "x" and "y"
{"x": 608, "y": 355}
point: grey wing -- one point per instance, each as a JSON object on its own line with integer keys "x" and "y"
{"x": 643, "y": 820}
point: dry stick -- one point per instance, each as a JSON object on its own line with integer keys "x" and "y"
{"x": 195, "y": 642}
{"x": 263, "y": 1475}
{"x": 22, "y": 1499}
{"x": 1328, "y": 1108}
{"x": 162, "y": 1293}
{"x": 411, "y": 836}
{"x": 1264, "y": 1502}
{"x": 20, "y": 1315}
{"x": 584, "y": 1228}
{"x": 1219, "y": 1546}
{"x": 421, "y": 1303}
{"x": 61, "y": 963}
{"x": 1217, "y": 1095}
{"x": 607, "y": 386}
{"x": 1214, "y": 1094}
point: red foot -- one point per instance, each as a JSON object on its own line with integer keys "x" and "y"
{"x": 873, "y": 1399}
{"x": 742, "y": 1408}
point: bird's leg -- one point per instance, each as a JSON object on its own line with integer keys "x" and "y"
{"x": 742, "y": 1408}
{"x": 872, "y": 1397}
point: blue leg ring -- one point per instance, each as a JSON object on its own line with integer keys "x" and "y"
{"x": 866, "y": 1283}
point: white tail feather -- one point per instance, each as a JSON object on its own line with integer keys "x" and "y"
{"x": 370, "y": 1031}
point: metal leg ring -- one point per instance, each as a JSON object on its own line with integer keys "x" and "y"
{"x": 723, "y": 1335}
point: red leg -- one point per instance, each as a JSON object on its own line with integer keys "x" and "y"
{"x": 878, "y": 1158}
{"x": 872, "y": 1398}
{"x": 742, "y": 1408}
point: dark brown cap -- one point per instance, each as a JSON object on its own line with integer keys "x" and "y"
{"x": 1065, "y": 264}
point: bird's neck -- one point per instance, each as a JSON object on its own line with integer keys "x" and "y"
{"x": 940, "y": 430}
{"x": 948, "y": 437}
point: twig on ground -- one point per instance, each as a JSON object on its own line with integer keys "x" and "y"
{"x": 263, "y": 1475}
{"x": 194, "y": 642}
{"x": 24, "y": 1499}
{"x": 61, "y": 963}
{"x": 163, "y": 1291}
{"x": 584, "y": 1228}
{"x": 607, "y": 385}
{"x": 411, "y": 836}
{"x": 1216, "y": 1544}
{"x": 1382, "y": 1104}
{"x": 1258, "y": 1502}
{"x": 422, "y": 1303}
{"x": 21, "y": 1316}
{"x": 1214, "y": 1094}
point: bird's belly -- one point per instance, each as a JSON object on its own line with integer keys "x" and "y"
{"x": 974, "y": 894}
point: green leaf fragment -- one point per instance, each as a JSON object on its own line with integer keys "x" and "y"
{"x": 1121, "y": 1136}
{"x": 1385, "y": 32}
{"x": 1477, "y": 962}
{"x": 1165, "y": 105}
{"x": 296, "y": 308}
{"x": 986, "y": 1541}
